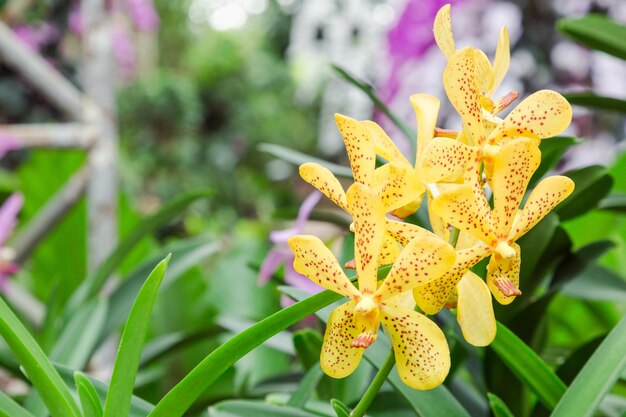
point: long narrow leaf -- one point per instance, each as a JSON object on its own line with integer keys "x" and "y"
{"x": 38, "y": 367}
{"x": 597, "y": 32}
{"x": 127, "y": 362}
{"x": 591, "y": 100}
{"x": 597, "y": 376}
{"x": 9, "y": 408}
{"x": 528, "y": 367}
{"x": 89, "y": 400}
{"x": 298, "y": 158}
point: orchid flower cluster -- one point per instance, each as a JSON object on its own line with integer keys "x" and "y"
{"x": 457, "y": 174}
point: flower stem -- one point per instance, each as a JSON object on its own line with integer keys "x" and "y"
{"x": 372, "y": 390}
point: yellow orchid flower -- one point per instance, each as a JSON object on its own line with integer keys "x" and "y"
{"x": 421, "y": 351}
{"x": 466, "y": 207}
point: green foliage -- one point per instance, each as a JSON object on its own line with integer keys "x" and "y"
{"x": 597, "y": 32}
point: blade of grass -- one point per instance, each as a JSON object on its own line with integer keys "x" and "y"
{"x": 498, "y": 407}
{"x": 127, "y": 362}
{"x": 298, "y": 158}
{"x": 528, "y": 367}
{"x": 9, "y": 408}
{"x": 597, "y": 377}
{"x": 89, "y": 400}
{"x": 40, "y": 370}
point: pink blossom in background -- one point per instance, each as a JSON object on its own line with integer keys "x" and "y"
{"x": 124, "y": 52}
{"x": 8, "y": 221}
{"x": 281, "y": 254}
{"x": 143, "y": 15}
{"x": 8, "y": 143}
{"x": 37, "y": 36}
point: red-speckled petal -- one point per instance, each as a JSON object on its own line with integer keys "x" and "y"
{"x": 483, "y": 70}
{"x": 426, "y": 109}
{"x": 384, "y": 146}
{"x": 422, "y": 260}
{"x": 420, "y": 347}
{"x": 389, "y": 252}
{"x": 444, "y": 160}
{"x": 545, "y": 197}
{"x": 543, "y": 114}
{"x": 513, "y": 167}
{"x": 466, "y": 208}
{"x": 459, "y": 80}
{"x": 324, "y": 180}
{"x": 443, "y": 31}
{"x": 338, "y": 359}
{"x": 360, "y": 148}
{"x": 396, "y": 185}
{"x": 314, "y": 260}
{"x": 403, "y": 233}
{"x": 369, "y": 229}
{"x": 503, "y": 276}
{"x": 475, "y": 311}
{"x": 432, "y": 296}
{"x": 501, "y": 61}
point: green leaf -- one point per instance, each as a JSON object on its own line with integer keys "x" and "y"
{"x": 528, "y": 367}
{"x": 243, "y": 408}
{"x": 89, "y": 400}
{"x": 340, "y": 408}
{"x": 308, "y": 345}
{"x": 593, "y": 183}
{"x": 378, "y": 103}
{"x": 94, "y": 282}
{"x": 578, "y": 262}
{"x": 597, "y": 32}
{"x": 614, "y": 202}
{"x": 40, "y": 371}
{"x": 551, "y": 152}
{"x": 597, "y": 376}
{"x": 9, "y": 408}
{"x": 498, "y": 406}
{"x": 127, "y": 362}
{"x": 299, "y": 158}
{"x": 591, "y": 100}
{"x": 306, "y": 387}
{"x": 597, "y": 283}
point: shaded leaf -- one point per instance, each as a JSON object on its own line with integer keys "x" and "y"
{"x": 593, "y": 183}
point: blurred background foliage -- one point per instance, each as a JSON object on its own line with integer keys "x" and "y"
{"x": 216, "y": 79}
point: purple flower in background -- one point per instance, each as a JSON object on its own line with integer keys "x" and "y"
{"x": 282, "y": 254}
{"x": 37, "y": 36}
{"x": 8, "y": 143}
{"x": 143, "y": 15}
{"x": 8, "y": 220}
{"x": 124, "y": 52}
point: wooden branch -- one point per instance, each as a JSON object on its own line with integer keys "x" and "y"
{"x": 50, "y": 214}
{"x": 51, "y": 135}
{"x": 38, "y": 72}
{"x": 98, "y": 82}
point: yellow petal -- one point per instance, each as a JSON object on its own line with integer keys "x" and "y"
{"x": 420, "y": 347}
{"x": 501, "y": 61}
{"x": 314, "y": 260}
{"x": 432, "y": 296}
{"x": 503, "y": 276}
{"x": 439, "y": 226}
{"x": 360, "y": 148}
{"x": 422, "y": 260}
{"x": 466, "y": 208}
{"x": 459, "y": 80}
{"x": 338, "y": 358}
{"x": 544, "y": 197}
{"x": 475, "y": 311}
{"x": 324, "y": 180}
{"x": 444, "y": 160}
{"x": 389, "y": 252}
{"x": 426, "y": 109}
{"x": 513, "y": 167}
{"x": 403, "y": 233}
{"x": 408, "y": 209}
{"x": 384, "y": 146}
{"x": 369, "y": 229}
{"x": 396, "y": 185}
{"x": 443, "y": 32}
{"x": 483, "y": 70}
{"x": 543, "y": 114}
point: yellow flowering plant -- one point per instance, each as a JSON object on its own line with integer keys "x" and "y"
{"x": 490, "y": 158}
